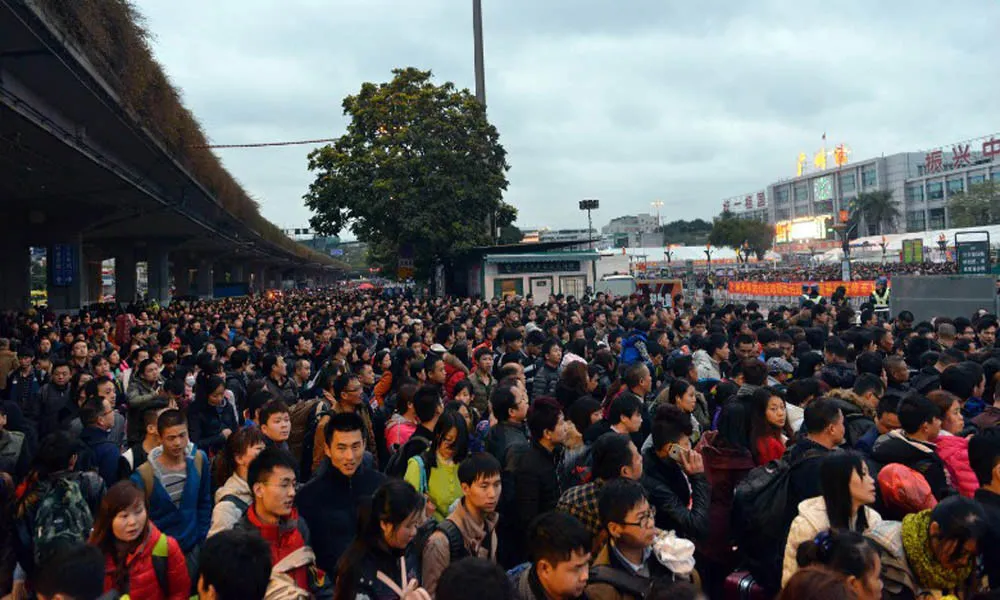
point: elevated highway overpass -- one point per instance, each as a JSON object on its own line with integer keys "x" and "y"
{"x": 81, "y": 176}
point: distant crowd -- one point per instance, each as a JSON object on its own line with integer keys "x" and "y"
{"x": 335, "y": 444}
{"x": 860, "y": 271}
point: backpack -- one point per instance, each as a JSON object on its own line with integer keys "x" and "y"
{"x": 60, "y": 518}
{"x": 145, "y": 471}
{"x": 301, "y": 415}
{"x": 630, "y": 354}
{"x": 396, "y": 466}
{"x": 238, "y": 502}
{"x": 316, "y": 411}
{"x": 161, "y": 551}
{"x": 456, "y": 543}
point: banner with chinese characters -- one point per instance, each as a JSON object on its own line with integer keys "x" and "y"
{"x": 745, "y": 202}
{"x": 855, "y": 289}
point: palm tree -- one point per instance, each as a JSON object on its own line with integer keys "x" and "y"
{"x": 877, "y": 208}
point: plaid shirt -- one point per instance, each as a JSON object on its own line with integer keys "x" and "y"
{"x": 581, "y": 502}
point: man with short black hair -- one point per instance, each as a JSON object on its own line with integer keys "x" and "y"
{"x": 75, "y": 572}
{"x": 471, "y": 528}
{"x": 967, "y": 380}
{"x": 271, "y": 478}
{"x": 837, "y": 373}
{"x": 710, "y": 359}
{"x": 236, "y": 565}
{"x": 559, "y": 547}
{"x": 824, "y": 427}
{"x": 614, "y": 456}
{"x": 913, "y": 445}
{"x": 624, "y": 416}
{"x": 547, "y": 374}
{"x": 510, "y": 408}
{"x": 485, "y": 576}
{"x": 330, "y": 501}
{"x": 98, "y": 417}
{"x": 482, "y": 379}
{"x": 928, "y": 379}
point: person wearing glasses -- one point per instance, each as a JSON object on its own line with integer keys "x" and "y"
{"x": 273, "y": 515}
{"x": 625, "y": 566}
{"x": 98, "y": 417}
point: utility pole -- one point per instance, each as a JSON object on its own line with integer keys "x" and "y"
{"x": 589, "y": 205}
{"x": 477, "y": 32}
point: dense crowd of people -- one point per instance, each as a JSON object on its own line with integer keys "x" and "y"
{"x": 860, "y": 271}
{"x": 332, "y": 444}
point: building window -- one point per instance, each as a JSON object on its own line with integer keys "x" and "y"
{"x": 848, "y": 183}
{"x": 782, "y": 214}
{"x": 868, "y": 176}
{"x": 916, "y": 220}
{"x": 935, "y": 218}
{"x": 955, "y": 186}
{"x": 935, "y": 190}
{"x": 824, "y": 208}
{"x": 781, "y": 196}
{"x": 801, "y": 193}
{"x": 915, "y": 192}
{"x": 975, "y": 178}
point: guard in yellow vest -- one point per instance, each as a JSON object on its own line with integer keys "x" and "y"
{"x": 880, "y": 298}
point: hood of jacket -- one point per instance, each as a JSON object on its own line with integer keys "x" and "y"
{"x": 849, "y": 402}
{"x": 156, "y": 452}
{"x": 234, "y": 486}
{"x": 813, "y": 510}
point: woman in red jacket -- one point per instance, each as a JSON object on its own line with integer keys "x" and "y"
{"x": 139, "y": 560}
{"x": 951, "y": 447}
{"x": 769, "y": 429}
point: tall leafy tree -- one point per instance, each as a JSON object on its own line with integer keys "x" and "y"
{"x": 747, "y": 235}
{"x": 979, "y": 205}
{"x": 420, "y": 167}
{"x": 878, "y": 210}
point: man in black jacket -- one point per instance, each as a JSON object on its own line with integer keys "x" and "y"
{"x": 536, "y": 482}
{"x": 674, "y": 476}
{"x": 330, "y": 501}
{"x": 984, "y": 457}
{"x": 824, "y": 425}
{"x": 921, "y": 421}
{"x": 510, "y": 407}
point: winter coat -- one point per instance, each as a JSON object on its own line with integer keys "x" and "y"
{"x": 480, "y": 541}
{"x": 811, "y": 520}
{"x": 707, "y": 367}
{"x": 288, "y": 536}
{"x": 103, "y": 456}
{"x": 607, "y": 557}
{"x": 990, "y": 546}
{"x": 503, "y": 437}
{"x": 142, "y": 580}
{"x": 545, "y": 382}
{"x": 8, "y": 364}
{"x": 954, "y": 452}
{"x": 226, "y": 514}
{"x": 189, "y": 522}
{"x": 859, "y": 417}
{"x": 283, "y": 391}
{"x": 527, "y": 586}
{"x": 24, "y": 390}
{"x": 398, "y": 431}
{"x": 803, "y": 481}
{"x": 206, "y": 422}
{"x": 481, "y": 391}
{"x": 990, "y": 417}
{"x": 537, "y": 486}
{"x": 140, "y": 395}
{"x": 898, "y": 579}
{"x": 680, "y": 500}
{"x": 895, "y": 447}
{"x": 926, "y": 380}
{"x": 380, "y": 559}
{"x": 329, "y": 503}
{"x": 839, "y": 375}
{"x": 13, "y": 454}
{"x": 51, "y": 401}
{"x": 725, "y": 468}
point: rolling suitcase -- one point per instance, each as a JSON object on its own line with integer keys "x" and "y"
{"x": 739, "y": 585}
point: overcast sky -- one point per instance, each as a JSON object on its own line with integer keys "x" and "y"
{"x": 628, "y": 102}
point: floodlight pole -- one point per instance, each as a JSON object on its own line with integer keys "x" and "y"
{"x": 589, "y": 205}
{"x": 477, "y": 33}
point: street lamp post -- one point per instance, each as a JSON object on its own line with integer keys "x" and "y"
{"x": 589, "y": 205}
{"x": 657, "y": 204}
{"x": 477, "y": 34}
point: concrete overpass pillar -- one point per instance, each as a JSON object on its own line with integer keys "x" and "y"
{"x": 181, "y": 270}
{"x": 125, "y": 274}
{"x": 259, "y": 278}
{"x": 93, "y": 287}
{"x": 15, "y": 271}
{"x": 204, "y": 279}
{"x": 158, "y": 274}
{"x": 238, "y": 273}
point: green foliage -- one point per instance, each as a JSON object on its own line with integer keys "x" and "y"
{"x": 731, "y": 232}
{"x": 510, "y": 235}
{"x": 980, "y": 205}
{"x": 877, "y": 209}
{"x": 419, "y": 165}
{"x": 686, "y": 233}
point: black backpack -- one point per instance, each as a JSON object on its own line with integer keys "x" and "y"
{"x": 309, "y": 441}
{"x": 579, "y": 470}
{"x": 396, "y": 467}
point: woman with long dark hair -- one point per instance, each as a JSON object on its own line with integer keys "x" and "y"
{"x": 129, "y": 540}
{"x": 435, "y": 472}
{"x": 769, "y": 430}
{"x": 233, "y": 495}
{"x": 211, "y": 417}
{"x": 727, "y": 457}
{"x": 682, "y": 394}
{"x": 572, "y": 385}
{"x": 847, "y": 489}
{"x": 389, "y": 383}
{"x": 381, "y": 563}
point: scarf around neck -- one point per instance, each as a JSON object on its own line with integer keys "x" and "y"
{"x": 929, "y": 572}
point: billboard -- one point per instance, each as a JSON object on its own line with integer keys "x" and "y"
{"x": 803, "y": 228}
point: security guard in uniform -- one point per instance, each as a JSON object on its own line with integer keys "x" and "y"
{"x": 880, "y": 298}
{"x": 805, "y": 295}
{"x": 815, "y": 295}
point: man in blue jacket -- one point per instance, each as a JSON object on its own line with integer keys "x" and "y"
{"x": 101, "y": 454}
{"x": 176, "y": 481}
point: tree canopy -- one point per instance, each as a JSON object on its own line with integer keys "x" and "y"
{"x": 686, "y": 233}
{"x": 876, "y": 209}
{"x": 419, "y": 166}
{"x": 979, "y": 205}
{"x": 731, "y": 232}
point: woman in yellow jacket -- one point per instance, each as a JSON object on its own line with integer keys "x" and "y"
{"x": 435, "y": 472}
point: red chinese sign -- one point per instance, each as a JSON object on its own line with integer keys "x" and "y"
{"x": 933, "y": 162}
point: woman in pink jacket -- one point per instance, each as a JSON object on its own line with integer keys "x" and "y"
{"x": 951, "y": 447}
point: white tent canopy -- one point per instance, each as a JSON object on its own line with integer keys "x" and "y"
{"x": 894, "y": 242}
